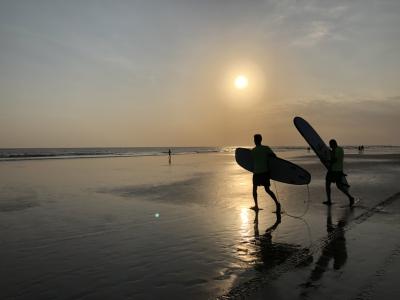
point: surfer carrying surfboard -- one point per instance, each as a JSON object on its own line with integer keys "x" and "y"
{"x": 335, "y": 173}
{"x": 261, "y": 172}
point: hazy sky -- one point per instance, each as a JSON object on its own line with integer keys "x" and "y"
{"x": 160, "y": 73}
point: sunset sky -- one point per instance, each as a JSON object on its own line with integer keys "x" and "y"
{"x": 162, "y": 73}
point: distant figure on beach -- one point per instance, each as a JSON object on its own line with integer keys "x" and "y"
{"x": 361, "y": 149}
{"x": 261, "y": 176}
{"x": 169, "y": 156}
{"x": 335, "y": 173}
{"x": 308, "y": 149}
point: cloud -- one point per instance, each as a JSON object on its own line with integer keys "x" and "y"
{"x": 314, "y": 34}
{"x": 305, "y": 24}
{"x": 369, "y": 121}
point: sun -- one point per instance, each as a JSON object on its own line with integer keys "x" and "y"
{"x": 241, "y": 82}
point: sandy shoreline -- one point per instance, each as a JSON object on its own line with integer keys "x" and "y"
{"x": 139, "y": 228}
{"x": 371, "y": 276}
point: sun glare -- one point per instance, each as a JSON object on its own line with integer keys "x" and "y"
{"x": 241, "y": 82}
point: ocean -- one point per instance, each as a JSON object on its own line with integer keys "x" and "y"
{"x": 58, "y": 153}
{"x": 131, "y": 225}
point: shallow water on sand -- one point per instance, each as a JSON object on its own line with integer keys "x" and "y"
{"x": 137, "y": 227}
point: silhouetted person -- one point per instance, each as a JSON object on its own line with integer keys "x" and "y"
{"x": 169, "y": 156}
{"x": 335, "y": 173}
{"x": 308, "y": 149}
{"x": 261, "y": 176}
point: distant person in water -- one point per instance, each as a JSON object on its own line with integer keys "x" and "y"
{"x": 169, "y": 156}
{"x": 335, "y": 173}
{"x": 261, "y": 176}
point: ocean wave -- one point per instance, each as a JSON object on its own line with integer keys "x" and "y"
{"x": 60, "y": 153}
{"x": 54, "y": 153}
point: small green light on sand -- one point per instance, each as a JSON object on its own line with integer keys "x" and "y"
{"x": 157, "y": 215}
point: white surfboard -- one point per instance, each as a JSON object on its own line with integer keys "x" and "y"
{"x": 280, "y": 170}
{"x": 316, "y": 143}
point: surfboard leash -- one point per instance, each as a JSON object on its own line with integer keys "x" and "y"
{"x": 301, "y": 217}
{"x": 307, "y": 201}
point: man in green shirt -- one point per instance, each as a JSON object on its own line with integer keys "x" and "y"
{"x": 335, "y": 173}
{"x": 261, "y": 177}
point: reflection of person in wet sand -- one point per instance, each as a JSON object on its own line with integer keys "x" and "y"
{"x": 270, "y": 254}
{"x": 269, "y": 230}
{"x": 335, "y": 248}
{"x": 261, "y": 177}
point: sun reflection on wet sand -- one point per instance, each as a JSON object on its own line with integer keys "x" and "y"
{"x": 244, "y": 216}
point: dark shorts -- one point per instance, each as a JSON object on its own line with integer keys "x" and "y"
{"x": 334, "y": 176}
{"x": 261, "y": 179}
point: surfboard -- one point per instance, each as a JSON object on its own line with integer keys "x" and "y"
{"x": 316, "y": 143}
{"x": 280, "y": 170}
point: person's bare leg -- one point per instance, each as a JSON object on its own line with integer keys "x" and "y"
{"x": 328, "y": 192}
{"x": 255, "y": 197}
{"x": 272, "y": 195}
{"x": 346, "y": 192}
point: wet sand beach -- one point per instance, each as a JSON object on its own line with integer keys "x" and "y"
{"x": 119, "y": 124}
{"x": 139, "y": 228}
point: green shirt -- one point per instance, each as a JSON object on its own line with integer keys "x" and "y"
{"x": 260, "y": 155}
{"x": 337, "y": 156}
